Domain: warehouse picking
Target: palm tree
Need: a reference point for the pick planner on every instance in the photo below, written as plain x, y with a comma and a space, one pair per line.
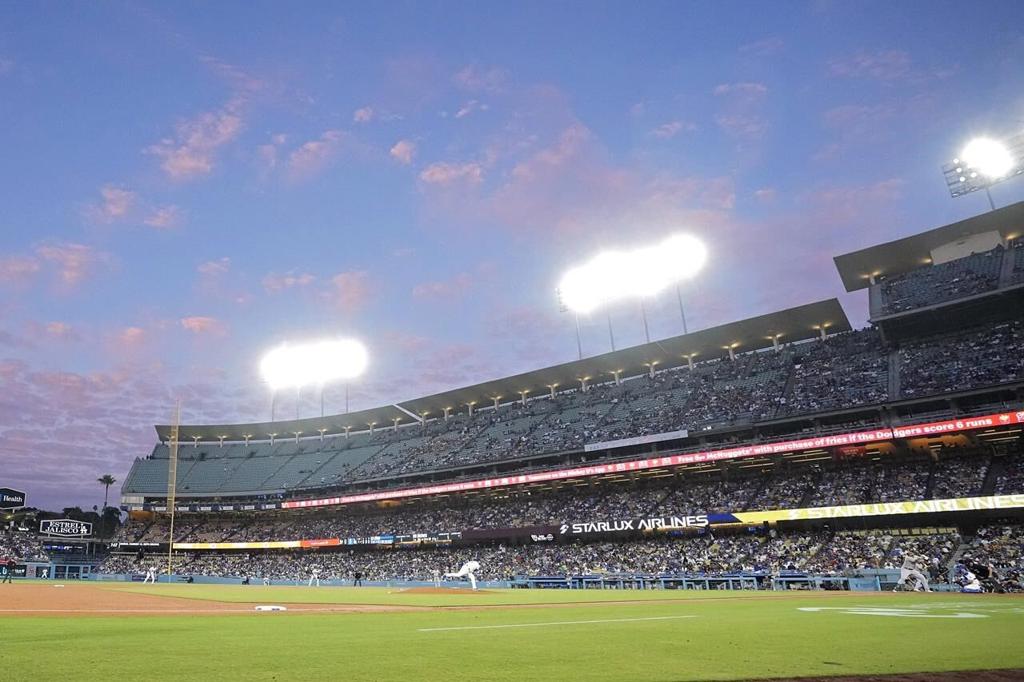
107, 480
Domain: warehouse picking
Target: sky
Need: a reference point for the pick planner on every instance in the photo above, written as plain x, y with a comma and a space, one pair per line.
185, 185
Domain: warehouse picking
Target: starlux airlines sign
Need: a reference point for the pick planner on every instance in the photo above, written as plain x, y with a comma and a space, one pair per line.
626, 525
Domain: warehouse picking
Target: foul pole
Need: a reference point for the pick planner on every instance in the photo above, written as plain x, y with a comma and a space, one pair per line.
172, 480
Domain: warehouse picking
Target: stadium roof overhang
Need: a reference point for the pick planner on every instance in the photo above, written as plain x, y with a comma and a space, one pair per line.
902, 255
755, 333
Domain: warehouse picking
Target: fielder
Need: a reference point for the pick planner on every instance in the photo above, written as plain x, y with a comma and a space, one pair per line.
909, 571
314, 576
468, 570
437, 578
150, 575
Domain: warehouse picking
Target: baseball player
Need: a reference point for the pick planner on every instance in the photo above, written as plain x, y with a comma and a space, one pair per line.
315, 575
437, 578
8, 565
908, 571
468, 570
150, 575
968, 581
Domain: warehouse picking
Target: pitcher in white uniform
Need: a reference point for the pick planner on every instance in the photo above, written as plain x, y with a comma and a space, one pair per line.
468, 570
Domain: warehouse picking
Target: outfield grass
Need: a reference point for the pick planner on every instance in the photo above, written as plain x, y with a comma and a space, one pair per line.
699, 636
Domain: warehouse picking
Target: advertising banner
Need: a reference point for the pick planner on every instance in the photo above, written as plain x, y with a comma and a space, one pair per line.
65, 528
533, 533
956, 504
11, 498
603, 527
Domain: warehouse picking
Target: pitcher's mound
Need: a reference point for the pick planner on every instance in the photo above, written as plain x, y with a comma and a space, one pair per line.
441, 590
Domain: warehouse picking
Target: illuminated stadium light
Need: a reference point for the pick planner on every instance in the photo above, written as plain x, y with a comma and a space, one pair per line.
619, 275
614, 276
990, 158
317, 363
984, 162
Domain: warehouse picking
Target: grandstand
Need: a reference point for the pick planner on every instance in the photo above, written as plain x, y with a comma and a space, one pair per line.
749, 427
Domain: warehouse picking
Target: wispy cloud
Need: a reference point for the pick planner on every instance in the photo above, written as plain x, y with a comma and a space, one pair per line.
116, 203
192, 151
348, 291
314, 156
477, 79
72, 263
164, 218
766, 47
363, 115
201, 325
669, 130
18, 269
274, 282
403, 151
883, 65
444, 289
446, 174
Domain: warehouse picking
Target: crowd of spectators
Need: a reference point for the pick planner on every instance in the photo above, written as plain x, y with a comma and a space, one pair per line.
972, 359
933, 284
705, 554
917, 476
20, 545
844, 370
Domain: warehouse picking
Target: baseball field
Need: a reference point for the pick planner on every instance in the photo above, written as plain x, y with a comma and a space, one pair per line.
204, 632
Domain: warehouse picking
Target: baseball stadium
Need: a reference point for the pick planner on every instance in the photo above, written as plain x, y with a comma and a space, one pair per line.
660, 360
707, 499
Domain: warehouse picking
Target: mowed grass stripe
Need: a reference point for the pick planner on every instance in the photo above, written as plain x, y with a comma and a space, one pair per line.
548, 624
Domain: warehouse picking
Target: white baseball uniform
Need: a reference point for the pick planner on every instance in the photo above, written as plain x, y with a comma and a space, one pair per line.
468, 570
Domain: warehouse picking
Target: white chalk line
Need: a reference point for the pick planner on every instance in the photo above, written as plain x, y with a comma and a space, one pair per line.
561, 622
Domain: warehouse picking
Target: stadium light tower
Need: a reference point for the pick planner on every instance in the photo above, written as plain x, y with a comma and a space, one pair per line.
312, 364
614, 276
984, 162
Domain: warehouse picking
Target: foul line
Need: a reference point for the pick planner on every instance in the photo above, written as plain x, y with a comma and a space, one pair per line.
561, 622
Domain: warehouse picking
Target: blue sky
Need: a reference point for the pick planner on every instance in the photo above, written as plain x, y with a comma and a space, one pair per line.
188, 184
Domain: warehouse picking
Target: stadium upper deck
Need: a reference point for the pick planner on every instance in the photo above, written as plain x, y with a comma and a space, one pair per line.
789, 373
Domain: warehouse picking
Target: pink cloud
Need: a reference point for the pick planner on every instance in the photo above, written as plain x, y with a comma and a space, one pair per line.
446, 289
214, 268
470, 107
883, 65
200, 325
363, 115
60, 330
669, 130
131, 337
765, 47
274, 282
73, 263
476, 79
315, 155
349, 291
117, 202
403, 151
442, 173
164, 218
18, 269
192, 151
745, 89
